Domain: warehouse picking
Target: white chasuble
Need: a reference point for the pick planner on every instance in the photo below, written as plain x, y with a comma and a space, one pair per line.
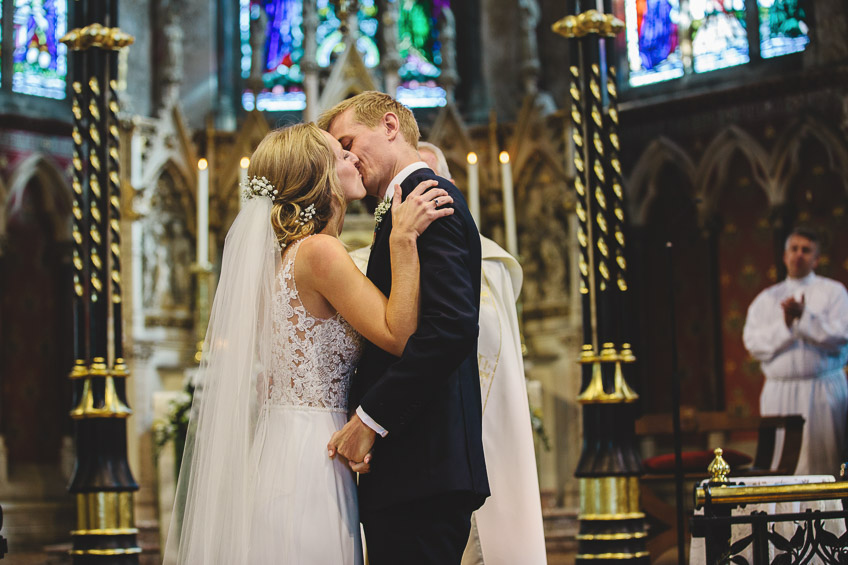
509, 524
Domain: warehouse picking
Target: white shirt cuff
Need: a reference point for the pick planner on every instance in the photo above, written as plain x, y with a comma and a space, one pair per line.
369, 421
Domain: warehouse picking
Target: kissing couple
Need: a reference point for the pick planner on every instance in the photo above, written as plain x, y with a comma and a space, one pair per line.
313, 372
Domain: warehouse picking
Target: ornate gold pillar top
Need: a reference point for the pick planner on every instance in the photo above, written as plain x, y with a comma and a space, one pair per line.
96, 35
590, 21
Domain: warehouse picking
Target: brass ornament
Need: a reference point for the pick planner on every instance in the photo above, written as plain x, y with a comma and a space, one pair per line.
741, 494
599, 171
578, 186
581, 214
96, 35
609, 498
588, 22
719, 468
612, 537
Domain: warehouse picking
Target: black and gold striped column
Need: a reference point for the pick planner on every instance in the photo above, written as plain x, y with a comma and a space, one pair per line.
102, 482
612, 525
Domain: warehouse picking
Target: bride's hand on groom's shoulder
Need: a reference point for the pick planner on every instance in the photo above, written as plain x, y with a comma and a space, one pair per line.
424, 205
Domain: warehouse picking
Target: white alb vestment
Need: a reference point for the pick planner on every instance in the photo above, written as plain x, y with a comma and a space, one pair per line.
804, 364
508, 526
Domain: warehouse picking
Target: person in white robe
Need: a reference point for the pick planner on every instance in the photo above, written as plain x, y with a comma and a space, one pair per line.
508, 528
798, 330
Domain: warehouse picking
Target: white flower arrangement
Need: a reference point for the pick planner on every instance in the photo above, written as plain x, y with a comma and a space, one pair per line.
307, 214
258, 186
381, 210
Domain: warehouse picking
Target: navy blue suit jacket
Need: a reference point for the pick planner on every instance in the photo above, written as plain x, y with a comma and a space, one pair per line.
429, 398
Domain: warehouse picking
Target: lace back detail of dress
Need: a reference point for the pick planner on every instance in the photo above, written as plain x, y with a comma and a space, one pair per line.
313, 357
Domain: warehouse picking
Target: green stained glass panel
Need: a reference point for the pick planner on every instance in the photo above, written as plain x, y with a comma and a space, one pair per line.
421, 52
783, 27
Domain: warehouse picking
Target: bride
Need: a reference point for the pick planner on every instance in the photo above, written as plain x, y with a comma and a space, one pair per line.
256, 485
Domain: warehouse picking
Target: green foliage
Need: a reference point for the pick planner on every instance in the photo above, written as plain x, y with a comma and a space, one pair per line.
176, 425
539, 427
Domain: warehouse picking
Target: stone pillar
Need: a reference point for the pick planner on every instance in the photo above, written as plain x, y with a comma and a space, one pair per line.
309, 62
449, 77
390, 56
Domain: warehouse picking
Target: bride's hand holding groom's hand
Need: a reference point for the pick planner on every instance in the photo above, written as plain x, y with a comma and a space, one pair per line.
353, 442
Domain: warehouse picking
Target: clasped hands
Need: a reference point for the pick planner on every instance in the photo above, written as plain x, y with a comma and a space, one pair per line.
792, 309
353, 443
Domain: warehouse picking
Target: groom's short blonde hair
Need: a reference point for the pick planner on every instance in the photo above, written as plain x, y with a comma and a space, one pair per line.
369, 107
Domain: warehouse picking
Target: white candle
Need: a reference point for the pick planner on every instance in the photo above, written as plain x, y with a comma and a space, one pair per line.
509, 205
474, 188
202, 212
135, 160
243, 165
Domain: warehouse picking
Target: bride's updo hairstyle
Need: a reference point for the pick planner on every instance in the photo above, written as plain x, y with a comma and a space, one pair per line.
301, 167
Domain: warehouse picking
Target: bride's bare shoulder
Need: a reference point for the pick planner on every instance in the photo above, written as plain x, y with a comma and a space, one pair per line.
323, 254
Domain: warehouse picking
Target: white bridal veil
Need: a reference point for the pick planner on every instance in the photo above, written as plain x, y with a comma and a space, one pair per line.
212, 512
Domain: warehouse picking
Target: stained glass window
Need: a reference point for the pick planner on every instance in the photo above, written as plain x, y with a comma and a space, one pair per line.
282, 51
719, 37
653, 49
420, 52
39, 60
713, 33
419, 44
782, 27
329, 35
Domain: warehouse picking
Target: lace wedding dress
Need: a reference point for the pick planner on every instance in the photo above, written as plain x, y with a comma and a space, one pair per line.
305, 507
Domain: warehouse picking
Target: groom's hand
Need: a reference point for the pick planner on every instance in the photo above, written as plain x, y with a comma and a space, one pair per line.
353, 441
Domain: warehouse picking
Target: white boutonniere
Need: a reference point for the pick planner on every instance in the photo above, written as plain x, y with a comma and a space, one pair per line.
381, 210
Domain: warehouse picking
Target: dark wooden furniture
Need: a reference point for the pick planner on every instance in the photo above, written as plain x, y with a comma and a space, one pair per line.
657, 489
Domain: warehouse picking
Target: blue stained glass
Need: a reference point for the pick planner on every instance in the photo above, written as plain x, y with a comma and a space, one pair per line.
653, 49
719, 37
420, 52
39, 60
282, 74
282, 51
783, 28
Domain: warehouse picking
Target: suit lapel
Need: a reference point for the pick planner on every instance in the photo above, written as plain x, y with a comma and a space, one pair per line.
380, 248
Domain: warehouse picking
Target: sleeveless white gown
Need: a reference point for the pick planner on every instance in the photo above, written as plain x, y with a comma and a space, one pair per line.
305, 505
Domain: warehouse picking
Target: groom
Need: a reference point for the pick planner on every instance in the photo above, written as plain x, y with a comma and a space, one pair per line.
418, 416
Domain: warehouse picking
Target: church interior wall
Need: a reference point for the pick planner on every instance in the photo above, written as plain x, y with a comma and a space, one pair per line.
723, 169
726, 178
36, 452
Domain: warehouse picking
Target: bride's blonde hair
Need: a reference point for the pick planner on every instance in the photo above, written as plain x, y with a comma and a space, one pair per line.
301, 166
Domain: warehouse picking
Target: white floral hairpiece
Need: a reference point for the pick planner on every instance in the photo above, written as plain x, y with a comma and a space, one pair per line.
258, 186
306, 214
